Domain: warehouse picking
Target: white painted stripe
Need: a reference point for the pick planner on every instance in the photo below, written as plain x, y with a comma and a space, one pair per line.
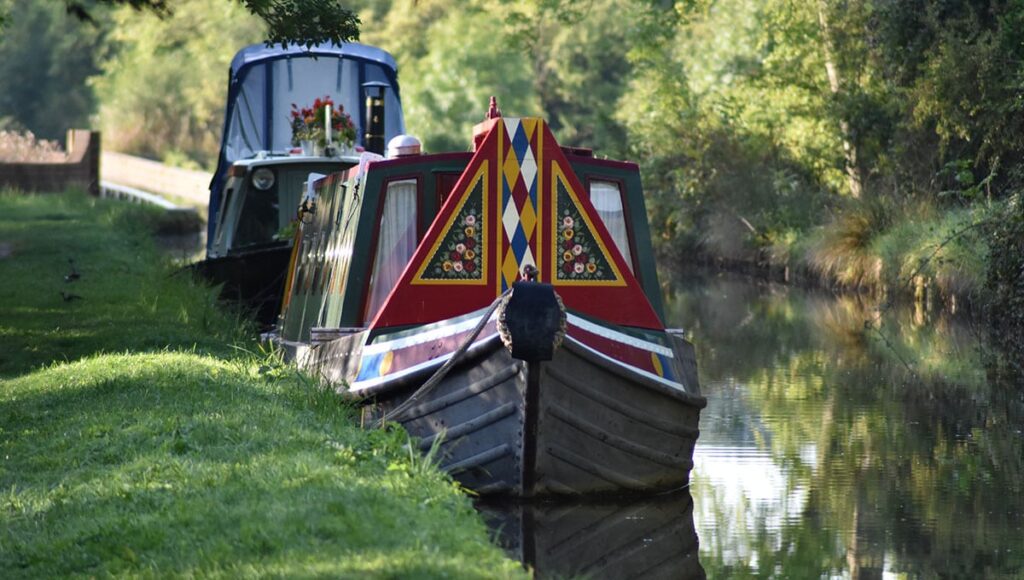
361, 385
421, 337
652, 376
108, 189
610, 334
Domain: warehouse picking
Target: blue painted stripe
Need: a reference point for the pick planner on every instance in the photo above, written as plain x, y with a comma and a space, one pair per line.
370, 367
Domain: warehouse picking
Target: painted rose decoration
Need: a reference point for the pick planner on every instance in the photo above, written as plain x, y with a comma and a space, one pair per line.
458, 257
578, 256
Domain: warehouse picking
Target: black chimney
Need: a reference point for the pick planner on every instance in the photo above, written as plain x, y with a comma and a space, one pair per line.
373, 136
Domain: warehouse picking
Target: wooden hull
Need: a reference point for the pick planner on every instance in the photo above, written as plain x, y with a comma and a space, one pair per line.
575, 425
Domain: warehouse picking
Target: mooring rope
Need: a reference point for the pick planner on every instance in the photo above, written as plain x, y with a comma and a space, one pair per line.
440, 373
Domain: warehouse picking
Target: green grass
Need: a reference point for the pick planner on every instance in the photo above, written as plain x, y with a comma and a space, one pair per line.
140, 435
948, 248
131, 297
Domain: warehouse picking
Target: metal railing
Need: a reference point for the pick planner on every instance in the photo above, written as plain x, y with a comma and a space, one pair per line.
125, 193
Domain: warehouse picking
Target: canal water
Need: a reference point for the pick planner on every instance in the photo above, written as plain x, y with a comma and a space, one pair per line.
840, 440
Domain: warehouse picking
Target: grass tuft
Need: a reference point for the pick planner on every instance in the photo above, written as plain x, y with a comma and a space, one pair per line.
841, 251
903, 250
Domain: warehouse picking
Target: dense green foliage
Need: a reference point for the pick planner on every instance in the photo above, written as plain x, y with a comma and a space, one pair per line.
45, 61
163, 86
142, 433
305, 22
757, 124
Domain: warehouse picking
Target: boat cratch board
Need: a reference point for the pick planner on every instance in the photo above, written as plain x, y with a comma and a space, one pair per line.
518, 203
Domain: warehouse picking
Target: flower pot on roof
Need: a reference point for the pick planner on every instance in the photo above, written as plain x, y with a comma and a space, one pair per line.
311, 124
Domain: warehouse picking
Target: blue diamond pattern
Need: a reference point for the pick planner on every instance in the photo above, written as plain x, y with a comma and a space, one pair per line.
519, 243
520, 144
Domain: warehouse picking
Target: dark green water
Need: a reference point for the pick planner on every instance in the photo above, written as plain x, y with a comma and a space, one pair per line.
838, 442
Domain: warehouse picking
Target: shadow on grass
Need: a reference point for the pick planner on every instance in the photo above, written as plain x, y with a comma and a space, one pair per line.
125, 295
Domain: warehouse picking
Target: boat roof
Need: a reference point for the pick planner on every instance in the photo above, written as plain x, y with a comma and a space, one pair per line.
259, 53
277, 160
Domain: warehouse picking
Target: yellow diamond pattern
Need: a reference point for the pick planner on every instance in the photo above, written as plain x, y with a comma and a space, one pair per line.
511, 167
529, 126
528, 217
510, 268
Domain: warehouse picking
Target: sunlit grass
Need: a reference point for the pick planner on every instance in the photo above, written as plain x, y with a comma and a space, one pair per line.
142, 433
180, 463
843, 252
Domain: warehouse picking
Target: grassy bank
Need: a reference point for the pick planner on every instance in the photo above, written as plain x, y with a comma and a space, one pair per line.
142, 434
908, 252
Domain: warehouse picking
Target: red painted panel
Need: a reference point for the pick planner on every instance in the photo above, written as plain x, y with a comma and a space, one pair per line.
435, 287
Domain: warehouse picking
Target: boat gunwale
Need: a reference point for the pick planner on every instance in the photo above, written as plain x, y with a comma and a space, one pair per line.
490, 343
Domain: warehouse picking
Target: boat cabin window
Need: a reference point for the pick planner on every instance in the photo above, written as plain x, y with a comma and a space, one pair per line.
607, 199
396, 241
445, 184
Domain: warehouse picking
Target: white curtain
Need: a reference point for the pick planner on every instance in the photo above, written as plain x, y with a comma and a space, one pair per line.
607, 200
396, 242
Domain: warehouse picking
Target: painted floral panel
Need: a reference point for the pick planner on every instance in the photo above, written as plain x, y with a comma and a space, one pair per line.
460, 254
578, 257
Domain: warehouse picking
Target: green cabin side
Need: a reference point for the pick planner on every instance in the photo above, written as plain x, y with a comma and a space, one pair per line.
335, 257
625, 177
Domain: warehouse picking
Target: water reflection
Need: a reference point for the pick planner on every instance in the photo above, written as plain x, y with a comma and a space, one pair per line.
846, 442
650, 538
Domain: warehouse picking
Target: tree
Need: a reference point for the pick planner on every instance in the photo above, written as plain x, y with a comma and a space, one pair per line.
44, 63
451, 61
161, 92
305, 22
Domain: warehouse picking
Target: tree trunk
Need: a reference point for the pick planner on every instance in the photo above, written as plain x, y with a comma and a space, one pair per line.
853, 173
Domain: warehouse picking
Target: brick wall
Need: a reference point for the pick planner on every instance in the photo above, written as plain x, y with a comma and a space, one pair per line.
81, 169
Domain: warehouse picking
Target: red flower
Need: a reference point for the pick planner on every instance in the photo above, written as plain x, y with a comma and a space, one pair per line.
469, 266
582, 258
567, 267
568, 244
456, 256
470, 243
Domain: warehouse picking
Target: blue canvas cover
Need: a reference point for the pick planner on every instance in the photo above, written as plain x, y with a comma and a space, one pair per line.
265, 81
